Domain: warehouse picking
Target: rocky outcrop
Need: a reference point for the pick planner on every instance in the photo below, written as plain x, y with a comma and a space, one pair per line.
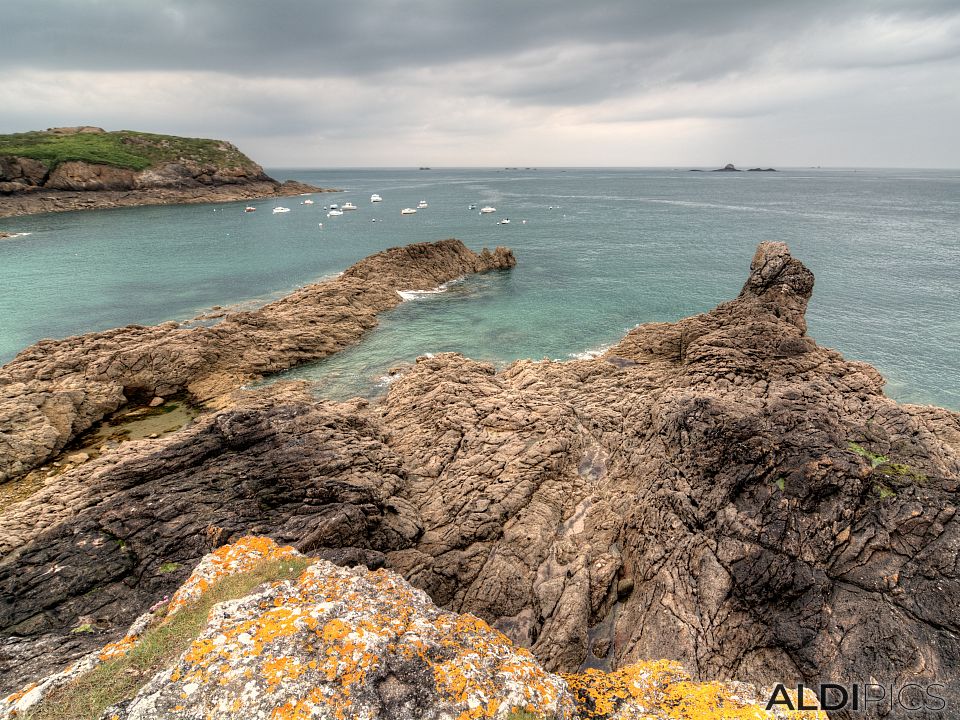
720, 492
123, 169
55, 390
342, 643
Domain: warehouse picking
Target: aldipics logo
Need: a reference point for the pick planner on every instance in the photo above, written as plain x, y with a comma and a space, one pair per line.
862, 697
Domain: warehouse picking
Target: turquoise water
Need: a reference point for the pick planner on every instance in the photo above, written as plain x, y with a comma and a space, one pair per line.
601, 251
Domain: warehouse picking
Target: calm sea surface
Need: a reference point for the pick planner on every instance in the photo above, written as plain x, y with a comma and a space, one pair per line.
600, 251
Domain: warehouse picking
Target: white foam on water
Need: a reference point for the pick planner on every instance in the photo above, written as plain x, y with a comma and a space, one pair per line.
424, 294
591, 354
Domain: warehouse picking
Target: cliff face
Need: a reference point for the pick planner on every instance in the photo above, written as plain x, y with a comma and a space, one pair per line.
720, 491
79, 168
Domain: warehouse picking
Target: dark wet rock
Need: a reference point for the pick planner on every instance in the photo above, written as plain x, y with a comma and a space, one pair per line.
100, 543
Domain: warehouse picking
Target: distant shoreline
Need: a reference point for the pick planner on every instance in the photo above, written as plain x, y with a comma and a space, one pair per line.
44, 201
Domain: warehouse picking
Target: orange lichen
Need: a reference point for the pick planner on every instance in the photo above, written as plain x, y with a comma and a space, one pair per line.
121, 647
14, 697
666, 686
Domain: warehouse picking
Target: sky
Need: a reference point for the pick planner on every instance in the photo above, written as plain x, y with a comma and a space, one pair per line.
490, 83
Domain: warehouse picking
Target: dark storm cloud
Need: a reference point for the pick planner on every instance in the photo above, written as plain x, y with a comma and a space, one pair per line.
554, 81
300, 38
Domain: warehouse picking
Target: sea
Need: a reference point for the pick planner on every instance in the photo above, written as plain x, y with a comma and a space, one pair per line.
598, 251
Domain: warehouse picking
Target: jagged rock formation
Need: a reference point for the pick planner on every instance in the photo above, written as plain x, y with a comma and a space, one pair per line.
719, 491
340, 643
55, 171
54, 390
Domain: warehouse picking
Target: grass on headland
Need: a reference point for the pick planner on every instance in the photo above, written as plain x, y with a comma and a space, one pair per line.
123, 149
161, 644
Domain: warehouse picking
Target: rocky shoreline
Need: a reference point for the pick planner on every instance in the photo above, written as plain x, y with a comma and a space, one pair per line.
43, 201
720, 492
56, 389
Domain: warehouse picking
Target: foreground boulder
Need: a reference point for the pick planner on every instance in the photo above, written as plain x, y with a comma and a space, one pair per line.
341, 643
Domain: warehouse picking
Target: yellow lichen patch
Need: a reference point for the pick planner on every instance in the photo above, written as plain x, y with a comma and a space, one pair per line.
665, 686
232, 559
119, 648
14, 697
276, 670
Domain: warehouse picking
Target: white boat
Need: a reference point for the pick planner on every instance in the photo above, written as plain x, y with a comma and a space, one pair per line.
376, 198
249, 208
422, 204
280, 210
308, 202
505, 221
334, 206
486, 210
408, 211
348, 206
335, 213
471, 206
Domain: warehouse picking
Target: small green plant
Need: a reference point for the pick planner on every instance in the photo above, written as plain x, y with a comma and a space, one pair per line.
116, 680
169, 567
84, 629
875, 460
780, 483
895, 472
884, 492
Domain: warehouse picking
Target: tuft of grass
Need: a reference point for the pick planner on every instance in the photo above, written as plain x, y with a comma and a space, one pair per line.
123, 149
169, 567
119, 679
884, 492
894, 472
875, 460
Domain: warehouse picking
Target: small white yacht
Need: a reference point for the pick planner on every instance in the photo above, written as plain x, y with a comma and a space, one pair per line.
408, 211
348, 206
335, 213
249, 208
422, 204
308, 202
376, 198
486, 210
505, 221
280, 210
334, 206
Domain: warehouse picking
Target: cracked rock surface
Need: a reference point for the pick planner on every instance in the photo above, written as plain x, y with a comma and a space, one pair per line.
720, 491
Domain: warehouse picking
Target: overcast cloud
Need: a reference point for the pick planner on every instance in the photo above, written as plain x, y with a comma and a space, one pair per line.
500, 82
